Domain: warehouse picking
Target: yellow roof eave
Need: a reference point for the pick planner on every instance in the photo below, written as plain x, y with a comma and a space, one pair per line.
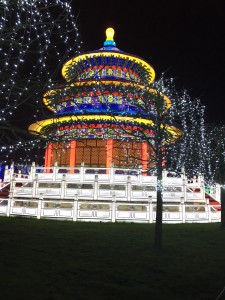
53, 92
36, 128
136, 59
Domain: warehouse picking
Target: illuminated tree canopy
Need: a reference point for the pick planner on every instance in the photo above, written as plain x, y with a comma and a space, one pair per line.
35, 38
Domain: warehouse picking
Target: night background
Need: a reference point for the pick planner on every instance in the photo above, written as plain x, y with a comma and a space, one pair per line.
183, 39
110, 257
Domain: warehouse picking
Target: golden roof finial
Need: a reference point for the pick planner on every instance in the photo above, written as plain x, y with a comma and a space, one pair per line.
109, 34
109, 42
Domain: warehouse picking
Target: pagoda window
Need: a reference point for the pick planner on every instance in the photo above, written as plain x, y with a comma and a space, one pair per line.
92, 152
61, 153
126, 153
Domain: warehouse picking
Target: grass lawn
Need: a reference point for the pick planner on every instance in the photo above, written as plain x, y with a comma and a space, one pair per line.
50, 259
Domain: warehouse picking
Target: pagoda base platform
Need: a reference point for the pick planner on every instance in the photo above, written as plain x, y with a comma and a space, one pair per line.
107, 195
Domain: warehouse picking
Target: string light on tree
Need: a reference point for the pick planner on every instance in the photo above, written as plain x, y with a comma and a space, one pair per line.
35, 36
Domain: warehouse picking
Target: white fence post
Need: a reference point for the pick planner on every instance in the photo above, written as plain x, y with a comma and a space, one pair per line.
96, 187
75, 206
35, 184
208, 210
140, 174
39, 206
150, 208
113, 205
11, 174
32, 171
202, 185
82, 171
184, 184
182, 203
12, 184
55, 170
9, 205
164, 176
128, 188
218, 192
111, 173
63, 186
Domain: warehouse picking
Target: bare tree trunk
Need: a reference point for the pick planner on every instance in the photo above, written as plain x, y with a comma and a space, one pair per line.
159, 205
158, 224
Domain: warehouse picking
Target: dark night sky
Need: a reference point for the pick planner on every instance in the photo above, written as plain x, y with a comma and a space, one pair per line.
184, 39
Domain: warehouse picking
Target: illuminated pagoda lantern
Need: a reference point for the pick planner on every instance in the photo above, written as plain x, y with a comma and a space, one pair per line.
94, 116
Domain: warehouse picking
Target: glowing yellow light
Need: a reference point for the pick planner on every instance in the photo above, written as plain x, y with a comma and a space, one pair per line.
51, 93
37, 127
82, 57
109, 34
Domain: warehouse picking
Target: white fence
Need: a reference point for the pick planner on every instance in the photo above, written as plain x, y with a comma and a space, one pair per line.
106, 194
109, 211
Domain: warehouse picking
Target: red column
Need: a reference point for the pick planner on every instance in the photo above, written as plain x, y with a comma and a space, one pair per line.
109, 152
73, 144
144, 156
48, 156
